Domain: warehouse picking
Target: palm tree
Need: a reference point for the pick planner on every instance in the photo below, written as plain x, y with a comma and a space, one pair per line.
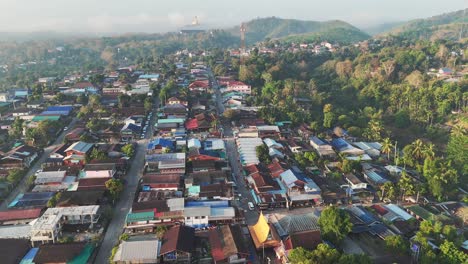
387, 147
429, 151
418, 149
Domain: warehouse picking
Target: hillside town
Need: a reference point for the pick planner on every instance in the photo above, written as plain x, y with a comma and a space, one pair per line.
275, 141
128, 166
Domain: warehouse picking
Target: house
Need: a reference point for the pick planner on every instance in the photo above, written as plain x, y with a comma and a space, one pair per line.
294, 147
238, 86
20, 157
139, 251
86, 87
268, 131
199, 86
92, 184
75, 134
197, 216
77, 152
322, 148
99, 171
175, 100
160, 145
296, 230
13, 250
50, 177
354, 182
19, 216
169, 123
135, 119
343, 146
149, 77
31, 200
129, 132
301, 190
175, 110
58, 110
80, 198
370, 148
157, 181
373, 175
445, 71
178, 245
20, 112
76, 252
228, 245
57, 155
148, 214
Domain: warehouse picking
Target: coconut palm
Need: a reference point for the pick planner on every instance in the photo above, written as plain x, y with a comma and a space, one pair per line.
418, 149
387, 147
429, 151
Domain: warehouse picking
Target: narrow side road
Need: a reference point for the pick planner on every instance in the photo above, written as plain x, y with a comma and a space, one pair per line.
22, 186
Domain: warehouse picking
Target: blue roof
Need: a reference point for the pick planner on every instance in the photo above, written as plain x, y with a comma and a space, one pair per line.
29, 257
318, 141
59, 108
373, 176
339, 143
166, 143
207, 203
134, 128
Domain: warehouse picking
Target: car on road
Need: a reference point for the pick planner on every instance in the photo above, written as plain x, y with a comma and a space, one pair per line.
251, 206
65, 128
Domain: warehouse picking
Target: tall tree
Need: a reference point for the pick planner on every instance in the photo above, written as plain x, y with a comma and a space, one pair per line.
334, 224
387, 147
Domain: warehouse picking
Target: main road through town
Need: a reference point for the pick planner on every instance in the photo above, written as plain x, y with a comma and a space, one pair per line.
115, 227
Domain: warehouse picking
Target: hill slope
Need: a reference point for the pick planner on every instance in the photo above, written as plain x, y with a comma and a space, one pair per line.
277, 28
445, 26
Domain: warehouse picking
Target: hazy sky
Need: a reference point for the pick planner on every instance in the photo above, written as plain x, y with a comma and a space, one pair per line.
167, 15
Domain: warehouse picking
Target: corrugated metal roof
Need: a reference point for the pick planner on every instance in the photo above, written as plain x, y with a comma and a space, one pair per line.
135, 251
140, 216
397, 210
197, 211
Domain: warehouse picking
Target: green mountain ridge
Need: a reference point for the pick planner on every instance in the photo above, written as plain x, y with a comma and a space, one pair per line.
299, 30
453, 26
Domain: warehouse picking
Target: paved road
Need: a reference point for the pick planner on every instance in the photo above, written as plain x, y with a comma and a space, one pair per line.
23, 186
115, 227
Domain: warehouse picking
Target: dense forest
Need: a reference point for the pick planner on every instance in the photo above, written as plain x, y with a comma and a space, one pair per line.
384, 92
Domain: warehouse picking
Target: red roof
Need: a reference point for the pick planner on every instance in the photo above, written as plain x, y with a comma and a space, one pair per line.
236, 83
216, 245
379, 209
191, 124
11, 215
251, 168
199, 84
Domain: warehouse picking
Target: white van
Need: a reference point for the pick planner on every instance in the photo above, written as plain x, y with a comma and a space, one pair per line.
251, 206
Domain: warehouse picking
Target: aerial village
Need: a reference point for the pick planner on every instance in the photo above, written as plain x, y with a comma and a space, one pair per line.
127, 166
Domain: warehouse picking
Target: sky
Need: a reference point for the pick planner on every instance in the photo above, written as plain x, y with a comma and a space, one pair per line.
151, 16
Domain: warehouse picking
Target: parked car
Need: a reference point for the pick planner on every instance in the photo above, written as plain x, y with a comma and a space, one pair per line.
251, 206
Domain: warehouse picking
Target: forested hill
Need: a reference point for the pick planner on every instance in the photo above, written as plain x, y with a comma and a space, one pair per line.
292, 29
446, 26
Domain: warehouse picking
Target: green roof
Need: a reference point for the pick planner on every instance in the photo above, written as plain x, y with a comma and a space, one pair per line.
421, 212
170, 120
83, 257
48, 117
141, 216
